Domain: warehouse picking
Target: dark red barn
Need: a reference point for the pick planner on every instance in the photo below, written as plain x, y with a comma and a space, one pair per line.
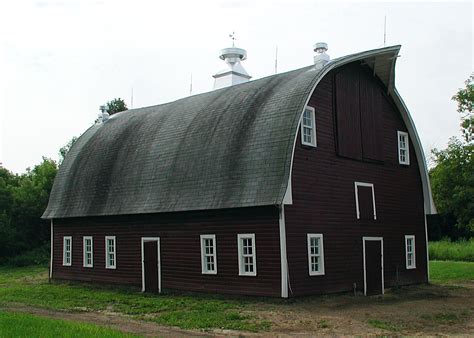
306, 182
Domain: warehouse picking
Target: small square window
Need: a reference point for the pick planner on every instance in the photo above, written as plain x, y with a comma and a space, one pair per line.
308, 127
208, 254
315, 254
403, 148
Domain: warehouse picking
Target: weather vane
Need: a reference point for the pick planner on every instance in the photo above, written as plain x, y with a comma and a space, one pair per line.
232, 36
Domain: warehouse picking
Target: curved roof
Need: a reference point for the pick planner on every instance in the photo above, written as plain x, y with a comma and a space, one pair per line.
223, 149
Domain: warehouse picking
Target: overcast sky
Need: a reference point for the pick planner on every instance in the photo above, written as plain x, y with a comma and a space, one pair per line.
61, 59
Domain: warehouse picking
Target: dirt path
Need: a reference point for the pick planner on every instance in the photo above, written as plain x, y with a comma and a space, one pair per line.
419, 310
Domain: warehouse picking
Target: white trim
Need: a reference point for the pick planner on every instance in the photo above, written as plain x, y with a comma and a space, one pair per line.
381, 257
67, 238
240, 238
321, 270
313, 142
283, 256
204, 269
362, 184
84, 260
427, 252
407, 147
151, 239
413, 248
107, 262
51, 255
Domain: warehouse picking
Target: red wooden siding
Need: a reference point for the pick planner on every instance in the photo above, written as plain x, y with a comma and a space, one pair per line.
180, 249
324, 200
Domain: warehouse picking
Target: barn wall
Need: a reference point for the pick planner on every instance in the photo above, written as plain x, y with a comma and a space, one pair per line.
180, 249
324, 202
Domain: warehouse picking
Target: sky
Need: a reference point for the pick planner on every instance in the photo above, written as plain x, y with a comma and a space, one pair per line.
61, 59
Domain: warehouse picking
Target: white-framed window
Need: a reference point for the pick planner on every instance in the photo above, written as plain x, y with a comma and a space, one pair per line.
315, 254
88, 254
110, 253
308, 127
410, 251
67, 250
247, 255
208, 254
358, 206
403, 148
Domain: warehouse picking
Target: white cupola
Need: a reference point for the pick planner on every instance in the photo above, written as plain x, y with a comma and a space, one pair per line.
234, 73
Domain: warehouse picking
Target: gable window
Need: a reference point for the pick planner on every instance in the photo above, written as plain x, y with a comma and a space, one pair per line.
208, 254
110, 255
403, 148
308, 127
247, 255
67, 250
410, 252
315, 254
87, 249
365, 201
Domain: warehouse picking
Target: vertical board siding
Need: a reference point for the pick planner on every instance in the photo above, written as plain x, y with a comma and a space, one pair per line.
324, 202
180, 249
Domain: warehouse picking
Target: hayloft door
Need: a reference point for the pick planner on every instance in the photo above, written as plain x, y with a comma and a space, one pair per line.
151, 269
373, 266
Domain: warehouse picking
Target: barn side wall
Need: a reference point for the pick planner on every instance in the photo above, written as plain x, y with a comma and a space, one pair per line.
324, 202
180, 249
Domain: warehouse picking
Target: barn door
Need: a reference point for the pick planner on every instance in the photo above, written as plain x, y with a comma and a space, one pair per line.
151, 269
373, 266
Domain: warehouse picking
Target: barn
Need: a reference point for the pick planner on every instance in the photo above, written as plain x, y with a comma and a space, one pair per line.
306, 182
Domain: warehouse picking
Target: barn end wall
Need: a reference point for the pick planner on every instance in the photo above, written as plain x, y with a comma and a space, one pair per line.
324, 202
180, 249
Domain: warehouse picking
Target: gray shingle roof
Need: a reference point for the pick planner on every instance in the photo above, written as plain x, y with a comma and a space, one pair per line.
223, 149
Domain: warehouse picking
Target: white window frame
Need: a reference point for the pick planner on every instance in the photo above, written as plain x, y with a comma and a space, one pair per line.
240, 238
204, 255
362, 184
67, 238
84, 260
313, 128
107, 253
413, 252
406, 148
321, 271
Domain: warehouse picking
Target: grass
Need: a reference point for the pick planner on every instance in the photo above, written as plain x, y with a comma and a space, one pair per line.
26, 325
384, 325
452, 251
448, 271
447, 317
29, 286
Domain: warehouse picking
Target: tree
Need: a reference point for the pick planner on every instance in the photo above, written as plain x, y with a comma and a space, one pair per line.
452, 182
465, 101
64, 150
113, 107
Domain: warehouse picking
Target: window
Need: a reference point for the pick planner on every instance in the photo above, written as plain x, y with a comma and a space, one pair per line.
403, 148
410, 251
365, 201
67, 250
308, 127
87, 242
110, 256
247, 255
315, 254
208, 254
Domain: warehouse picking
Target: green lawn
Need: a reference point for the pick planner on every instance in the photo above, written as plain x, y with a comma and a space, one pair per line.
449, 271
452, 251
29, 285
26, 325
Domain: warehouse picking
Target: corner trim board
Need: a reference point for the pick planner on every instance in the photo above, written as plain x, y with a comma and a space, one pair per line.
283, 254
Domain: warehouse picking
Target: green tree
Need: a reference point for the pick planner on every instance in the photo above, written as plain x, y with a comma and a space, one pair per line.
465, 101
64, 150
452, 182
113, 107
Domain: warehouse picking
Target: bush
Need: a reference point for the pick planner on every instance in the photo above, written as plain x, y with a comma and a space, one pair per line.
454, 251
37, 256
